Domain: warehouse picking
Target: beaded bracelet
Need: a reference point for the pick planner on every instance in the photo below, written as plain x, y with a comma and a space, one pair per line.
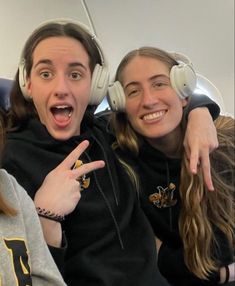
49, 215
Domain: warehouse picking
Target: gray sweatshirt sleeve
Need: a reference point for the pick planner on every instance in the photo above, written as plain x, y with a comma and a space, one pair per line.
21, 232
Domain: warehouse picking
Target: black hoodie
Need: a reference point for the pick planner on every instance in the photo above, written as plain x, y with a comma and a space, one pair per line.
156, 173
110, 242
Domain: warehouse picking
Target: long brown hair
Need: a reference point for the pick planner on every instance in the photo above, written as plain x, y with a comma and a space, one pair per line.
5, 207
202, 211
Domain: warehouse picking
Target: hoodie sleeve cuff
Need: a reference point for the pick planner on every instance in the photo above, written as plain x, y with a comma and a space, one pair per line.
201, 100
58, 254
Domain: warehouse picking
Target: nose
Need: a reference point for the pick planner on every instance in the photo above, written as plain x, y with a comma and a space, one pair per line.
149, 98
61, 88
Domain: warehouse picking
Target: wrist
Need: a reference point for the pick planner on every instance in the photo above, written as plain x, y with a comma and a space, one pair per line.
224, 274
47, 214
198, 110
52, 232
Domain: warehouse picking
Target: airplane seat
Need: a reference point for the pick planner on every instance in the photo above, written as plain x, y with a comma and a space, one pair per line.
5, 88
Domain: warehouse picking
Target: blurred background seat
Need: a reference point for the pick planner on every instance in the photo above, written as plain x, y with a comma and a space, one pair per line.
5, 88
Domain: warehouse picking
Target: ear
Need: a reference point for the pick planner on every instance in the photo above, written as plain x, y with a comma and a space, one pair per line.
184, 102
28, 87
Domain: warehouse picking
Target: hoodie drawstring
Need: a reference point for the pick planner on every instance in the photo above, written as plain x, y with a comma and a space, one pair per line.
168, 182
103, 194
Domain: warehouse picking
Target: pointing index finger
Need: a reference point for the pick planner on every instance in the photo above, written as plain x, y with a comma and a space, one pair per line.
69, 161
87, 168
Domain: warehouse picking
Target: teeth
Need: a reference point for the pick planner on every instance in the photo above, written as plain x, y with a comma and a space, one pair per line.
62, 109
154, 115
62, 106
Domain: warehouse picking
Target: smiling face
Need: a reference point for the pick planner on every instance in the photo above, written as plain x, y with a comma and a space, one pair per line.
59, 85
153, 108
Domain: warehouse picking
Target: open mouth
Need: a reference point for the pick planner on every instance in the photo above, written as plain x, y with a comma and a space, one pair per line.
62, 113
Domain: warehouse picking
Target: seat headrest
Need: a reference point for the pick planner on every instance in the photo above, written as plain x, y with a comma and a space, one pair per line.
5, 89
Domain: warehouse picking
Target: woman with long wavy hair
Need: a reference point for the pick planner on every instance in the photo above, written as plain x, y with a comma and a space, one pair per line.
194, 227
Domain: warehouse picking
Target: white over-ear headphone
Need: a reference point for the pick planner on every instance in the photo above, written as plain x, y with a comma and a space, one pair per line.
100, 75
23, 78
182, 76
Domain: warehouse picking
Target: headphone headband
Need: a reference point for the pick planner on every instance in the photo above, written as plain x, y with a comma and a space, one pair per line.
180, 58
100, 75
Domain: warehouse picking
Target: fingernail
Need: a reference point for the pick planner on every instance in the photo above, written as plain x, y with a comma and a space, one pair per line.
211, 188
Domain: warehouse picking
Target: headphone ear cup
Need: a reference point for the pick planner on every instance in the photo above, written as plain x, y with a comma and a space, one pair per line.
116, 96
183, 79
99, 84
23, 80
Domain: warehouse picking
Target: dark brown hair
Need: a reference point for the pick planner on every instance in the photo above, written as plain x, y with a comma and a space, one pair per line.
5, 207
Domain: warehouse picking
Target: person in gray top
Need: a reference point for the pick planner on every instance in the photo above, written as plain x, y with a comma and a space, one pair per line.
24, 255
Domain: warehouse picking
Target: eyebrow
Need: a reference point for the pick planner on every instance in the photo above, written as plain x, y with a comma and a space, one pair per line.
49, 62
150, 79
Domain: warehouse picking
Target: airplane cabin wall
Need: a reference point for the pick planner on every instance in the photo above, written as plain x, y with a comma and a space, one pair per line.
202, 29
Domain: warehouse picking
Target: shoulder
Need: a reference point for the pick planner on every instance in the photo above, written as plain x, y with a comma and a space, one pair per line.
5, 179
7, 188
225, 126
102, 124
10, 189
29, 131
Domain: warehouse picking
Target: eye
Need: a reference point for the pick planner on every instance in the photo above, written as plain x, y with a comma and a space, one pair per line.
159, 84
132, 92
45, 74
75, 75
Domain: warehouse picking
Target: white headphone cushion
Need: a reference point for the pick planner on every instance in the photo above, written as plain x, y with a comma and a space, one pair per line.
183, 79
99, 84
116, 96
